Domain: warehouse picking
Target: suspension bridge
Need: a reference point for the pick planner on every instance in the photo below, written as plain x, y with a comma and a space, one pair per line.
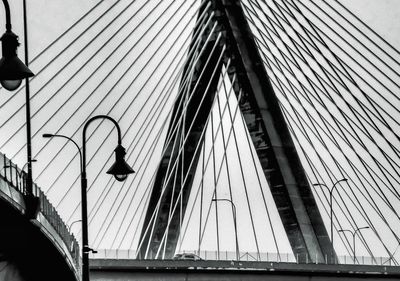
264, 136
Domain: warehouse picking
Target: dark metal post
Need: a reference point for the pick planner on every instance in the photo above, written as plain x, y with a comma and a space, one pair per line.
29, 181
354, 246
331, 197
234, 223
331, 210
8, 17
236, 230
85, 246
85, 240
353, 233
31, 201
120, 167
354, 240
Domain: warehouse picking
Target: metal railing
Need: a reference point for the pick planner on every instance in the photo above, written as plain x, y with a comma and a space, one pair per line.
249, 256
13, 175
10, 173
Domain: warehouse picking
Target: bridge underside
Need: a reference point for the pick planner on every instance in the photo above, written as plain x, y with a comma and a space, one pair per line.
25, 252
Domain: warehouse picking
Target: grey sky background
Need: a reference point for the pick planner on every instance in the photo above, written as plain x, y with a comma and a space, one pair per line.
49, 18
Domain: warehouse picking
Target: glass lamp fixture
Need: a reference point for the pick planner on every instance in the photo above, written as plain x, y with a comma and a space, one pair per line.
12, 69
120, 169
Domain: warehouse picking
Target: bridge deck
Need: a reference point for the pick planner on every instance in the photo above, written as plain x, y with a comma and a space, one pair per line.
109, 269
34, 245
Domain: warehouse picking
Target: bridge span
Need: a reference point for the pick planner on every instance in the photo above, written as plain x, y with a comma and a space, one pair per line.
160, 270
29, 248
307, 91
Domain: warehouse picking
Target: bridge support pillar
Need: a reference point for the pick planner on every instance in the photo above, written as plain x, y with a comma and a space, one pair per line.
175, 174
273, 143
270, 135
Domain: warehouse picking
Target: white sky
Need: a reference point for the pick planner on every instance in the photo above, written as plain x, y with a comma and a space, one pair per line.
49, 18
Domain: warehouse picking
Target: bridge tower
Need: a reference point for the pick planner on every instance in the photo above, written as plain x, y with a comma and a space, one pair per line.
265, 122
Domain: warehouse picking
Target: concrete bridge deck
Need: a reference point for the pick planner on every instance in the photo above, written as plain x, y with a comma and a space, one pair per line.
160, 270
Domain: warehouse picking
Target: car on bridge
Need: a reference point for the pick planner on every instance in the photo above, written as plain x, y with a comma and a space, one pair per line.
187, 256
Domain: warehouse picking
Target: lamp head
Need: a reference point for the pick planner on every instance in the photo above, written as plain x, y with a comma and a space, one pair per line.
120, 169
47, 136
12, 69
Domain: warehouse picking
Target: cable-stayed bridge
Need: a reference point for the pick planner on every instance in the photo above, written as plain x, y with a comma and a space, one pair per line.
258, 130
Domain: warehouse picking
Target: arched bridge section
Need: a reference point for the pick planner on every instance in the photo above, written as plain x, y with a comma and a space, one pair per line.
32, 249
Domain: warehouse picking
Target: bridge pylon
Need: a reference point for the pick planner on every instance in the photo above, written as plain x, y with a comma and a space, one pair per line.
229, 34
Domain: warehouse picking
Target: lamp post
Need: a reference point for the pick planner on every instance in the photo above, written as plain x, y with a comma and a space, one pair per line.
354, 238
12, 69
234, 223
120, 170
12, 72
72, 224
330, 202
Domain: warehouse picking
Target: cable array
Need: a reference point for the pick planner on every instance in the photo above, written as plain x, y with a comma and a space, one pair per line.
334, 77
337, 88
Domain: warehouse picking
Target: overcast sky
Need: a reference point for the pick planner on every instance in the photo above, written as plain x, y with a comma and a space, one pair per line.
49, 18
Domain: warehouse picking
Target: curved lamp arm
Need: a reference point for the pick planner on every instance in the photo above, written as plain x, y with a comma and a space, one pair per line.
68, 138
84, 136
8, 17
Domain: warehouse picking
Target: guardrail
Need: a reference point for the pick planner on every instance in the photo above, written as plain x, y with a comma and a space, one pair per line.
247, 256
13, 175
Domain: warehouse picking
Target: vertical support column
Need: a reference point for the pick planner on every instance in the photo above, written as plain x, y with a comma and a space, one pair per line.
272, 140
270, 135
161, 203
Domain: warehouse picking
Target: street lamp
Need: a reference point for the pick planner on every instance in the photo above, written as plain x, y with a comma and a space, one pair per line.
70, 226
330, 202
12, 71
120, 170
234, 222
354, 238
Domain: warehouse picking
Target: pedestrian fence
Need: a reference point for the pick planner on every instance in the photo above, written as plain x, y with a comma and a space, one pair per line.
250, 256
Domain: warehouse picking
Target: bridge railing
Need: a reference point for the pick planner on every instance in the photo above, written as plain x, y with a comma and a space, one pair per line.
10, 173
51, 214
16, 177
248, 256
